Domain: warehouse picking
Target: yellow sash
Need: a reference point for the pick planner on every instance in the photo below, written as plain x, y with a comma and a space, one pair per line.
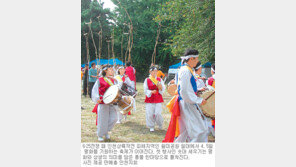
118, 78
190, 69
108, 81
153, 79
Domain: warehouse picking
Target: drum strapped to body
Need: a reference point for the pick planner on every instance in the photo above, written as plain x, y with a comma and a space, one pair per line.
113, 95
208, 108
126, 104
128, 90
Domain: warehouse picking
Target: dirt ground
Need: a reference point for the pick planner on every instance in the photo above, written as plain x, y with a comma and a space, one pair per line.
133, 129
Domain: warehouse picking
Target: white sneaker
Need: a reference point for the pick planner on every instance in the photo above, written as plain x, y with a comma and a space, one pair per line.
151, 129
100, 139
118, 122
108, 136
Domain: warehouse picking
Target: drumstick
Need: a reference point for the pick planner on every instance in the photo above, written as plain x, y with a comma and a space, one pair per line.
210, 95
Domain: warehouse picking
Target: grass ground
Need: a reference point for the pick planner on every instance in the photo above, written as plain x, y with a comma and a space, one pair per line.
132, 130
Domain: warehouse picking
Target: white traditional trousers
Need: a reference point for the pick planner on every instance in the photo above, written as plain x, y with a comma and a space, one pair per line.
107, 117
193, 128
119, 115
153, 115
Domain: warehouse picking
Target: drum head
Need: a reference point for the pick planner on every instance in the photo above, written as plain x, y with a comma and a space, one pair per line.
110, 94
209, 108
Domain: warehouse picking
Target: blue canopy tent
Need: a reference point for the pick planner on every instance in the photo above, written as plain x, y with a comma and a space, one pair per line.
173, 70
105, 61
175, 66
207, 65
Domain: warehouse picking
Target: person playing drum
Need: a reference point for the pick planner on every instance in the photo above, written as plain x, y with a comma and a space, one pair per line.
187, 117
106, 113
199, 80
120, 76
120, 79
202, 87
153, 88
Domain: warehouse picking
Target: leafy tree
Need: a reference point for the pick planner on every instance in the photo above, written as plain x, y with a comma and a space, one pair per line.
142, 14
90, 10
184, 24
193, 25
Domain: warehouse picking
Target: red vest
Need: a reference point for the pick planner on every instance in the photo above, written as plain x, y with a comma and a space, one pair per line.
130, 73
154, 98
103, 87
210, 81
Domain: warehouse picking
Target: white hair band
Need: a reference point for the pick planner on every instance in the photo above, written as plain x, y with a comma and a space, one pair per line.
188, 56
105, 68
153, 68
198, 67
119, 69
100, 73
183, 58
213, 70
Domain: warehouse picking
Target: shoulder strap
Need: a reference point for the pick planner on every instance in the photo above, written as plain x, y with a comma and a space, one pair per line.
108, 81
190, 71
153, 80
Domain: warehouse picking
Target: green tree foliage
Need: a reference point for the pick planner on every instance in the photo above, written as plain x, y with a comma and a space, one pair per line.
91, 10
184, 24
193, 25
142, 14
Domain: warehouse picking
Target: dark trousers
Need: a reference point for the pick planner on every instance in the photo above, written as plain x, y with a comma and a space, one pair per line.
84, 88
90, 86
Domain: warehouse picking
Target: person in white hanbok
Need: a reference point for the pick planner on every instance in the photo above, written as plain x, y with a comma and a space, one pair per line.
106, 113
154, 88
192, 123
120, 79
201, 86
